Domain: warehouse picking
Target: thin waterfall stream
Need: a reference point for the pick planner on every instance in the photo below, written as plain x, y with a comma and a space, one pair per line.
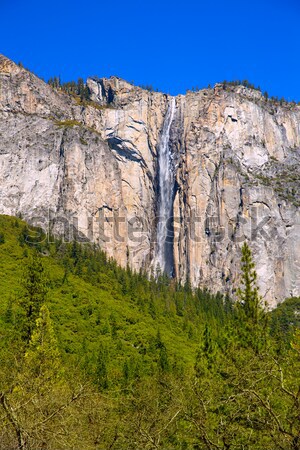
164, 254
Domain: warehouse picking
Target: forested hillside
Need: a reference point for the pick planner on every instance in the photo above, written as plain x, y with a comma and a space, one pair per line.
97, 357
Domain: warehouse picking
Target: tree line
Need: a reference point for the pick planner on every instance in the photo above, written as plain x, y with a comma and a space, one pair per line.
78, 88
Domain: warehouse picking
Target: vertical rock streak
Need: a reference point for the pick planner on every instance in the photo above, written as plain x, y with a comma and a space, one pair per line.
164, 254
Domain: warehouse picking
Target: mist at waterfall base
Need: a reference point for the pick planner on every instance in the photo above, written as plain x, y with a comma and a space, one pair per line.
164, 255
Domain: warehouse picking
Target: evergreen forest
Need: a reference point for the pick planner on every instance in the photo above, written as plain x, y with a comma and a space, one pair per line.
98, 357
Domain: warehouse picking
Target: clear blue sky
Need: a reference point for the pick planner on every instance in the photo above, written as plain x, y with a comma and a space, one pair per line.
172, 45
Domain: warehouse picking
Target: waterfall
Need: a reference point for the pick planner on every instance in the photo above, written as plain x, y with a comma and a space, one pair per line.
164, 253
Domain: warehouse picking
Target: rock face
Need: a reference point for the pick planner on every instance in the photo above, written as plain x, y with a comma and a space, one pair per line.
93, 170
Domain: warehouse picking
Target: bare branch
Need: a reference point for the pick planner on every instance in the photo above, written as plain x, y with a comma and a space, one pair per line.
14, 421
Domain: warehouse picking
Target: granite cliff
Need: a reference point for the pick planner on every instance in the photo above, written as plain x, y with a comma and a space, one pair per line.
95, 169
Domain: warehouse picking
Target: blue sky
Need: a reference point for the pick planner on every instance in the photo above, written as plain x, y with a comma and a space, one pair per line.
172, 45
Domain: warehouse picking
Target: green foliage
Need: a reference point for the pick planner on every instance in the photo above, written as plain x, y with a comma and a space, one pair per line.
206, 355
68, 123
34, 291
101, 368
131, 362
54, 82
244, 83
284, 320
250, 312
148, 87
78, 88
42, 359
249, 299
95, 303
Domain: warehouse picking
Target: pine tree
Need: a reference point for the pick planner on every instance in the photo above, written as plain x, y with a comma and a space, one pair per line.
207, 353
295, 344
163, 361
251, 315
37, 404
101, 368
248, 292
34, 284
42, 359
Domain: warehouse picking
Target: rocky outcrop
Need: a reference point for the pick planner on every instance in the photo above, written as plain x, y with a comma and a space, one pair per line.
240, 180
92, 169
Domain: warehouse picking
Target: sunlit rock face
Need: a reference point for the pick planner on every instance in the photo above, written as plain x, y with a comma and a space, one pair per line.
95, 171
